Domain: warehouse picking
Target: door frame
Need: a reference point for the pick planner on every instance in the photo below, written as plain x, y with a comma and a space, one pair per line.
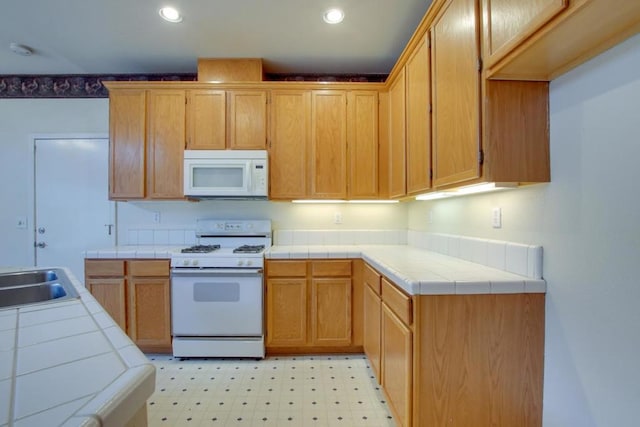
31, 196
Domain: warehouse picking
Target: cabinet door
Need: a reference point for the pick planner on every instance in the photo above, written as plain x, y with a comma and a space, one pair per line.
247, 122
126, 144
286, 312
507, 23
166, 141
150, 312
290, 134
206, 119
397, 359
362, 141
456, 93
397, 166
372, 319
418, 77
110, 293
328, 154
331, 311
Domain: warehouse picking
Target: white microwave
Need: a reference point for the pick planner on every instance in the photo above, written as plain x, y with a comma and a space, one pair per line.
233, 174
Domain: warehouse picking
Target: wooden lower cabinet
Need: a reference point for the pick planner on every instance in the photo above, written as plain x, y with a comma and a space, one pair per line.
111, 294
286, 312
331, 311
136, 294
397, 359
456, 360
372, 335
310, 307
479, 360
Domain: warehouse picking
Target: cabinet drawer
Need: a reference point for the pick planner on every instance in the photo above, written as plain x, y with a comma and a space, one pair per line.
159, 268
286, 268
103, 268
372, 278
331, 268
397, 301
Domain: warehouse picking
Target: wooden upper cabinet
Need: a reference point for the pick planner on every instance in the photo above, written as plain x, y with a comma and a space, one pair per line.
289, 142
247, 123
206, 119
362, 141
418, 80
543, 39
397, 137
127, 112
166, 112
507, 23
328, 155
456, 93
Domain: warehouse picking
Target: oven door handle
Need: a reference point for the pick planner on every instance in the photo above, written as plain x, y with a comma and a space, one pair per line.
216, 272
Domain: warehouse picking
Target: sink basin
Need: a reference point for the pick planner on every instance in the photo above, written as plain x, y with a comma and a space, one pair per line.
35, 286
27, 278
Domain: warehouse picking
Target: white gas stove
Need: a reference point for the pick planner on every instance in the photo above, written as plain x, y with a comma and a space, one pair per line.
217, 290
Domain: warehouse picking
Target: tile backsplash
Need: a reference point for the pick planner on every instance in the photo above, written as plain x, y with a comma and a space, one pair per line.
147, 236
517, 258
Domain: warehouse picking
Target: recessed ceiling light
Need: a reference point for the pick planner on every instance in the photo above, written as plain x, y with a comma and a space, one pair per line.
21, 49
170, 14
333, 16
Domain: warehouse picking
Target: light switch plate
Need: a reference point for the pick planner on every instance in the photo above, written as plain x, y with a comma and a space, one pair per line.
21, 222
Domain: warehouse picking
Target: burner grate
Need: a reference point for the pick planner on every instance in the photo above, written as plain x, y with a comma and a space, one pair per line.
248, 249
200, 249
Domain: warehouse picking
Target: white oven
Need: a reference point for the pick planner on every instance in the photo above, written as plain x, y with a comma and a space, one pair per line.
217, 312
239, 174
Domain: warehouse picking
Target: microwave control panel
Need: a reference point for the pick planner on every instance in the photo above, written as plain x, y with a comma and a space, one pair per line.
260, 177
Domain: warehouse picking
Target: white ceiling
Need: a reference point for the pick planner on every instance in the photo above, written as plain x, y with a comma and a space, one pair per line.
128, 36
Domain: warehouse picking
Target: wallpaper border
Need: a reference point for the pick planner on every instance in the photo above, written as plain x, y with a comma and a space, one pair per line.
90, 85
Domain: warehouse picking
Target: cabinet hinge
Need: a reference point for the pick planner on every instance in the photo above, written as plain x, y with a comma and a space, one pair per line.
481, 157
479, 64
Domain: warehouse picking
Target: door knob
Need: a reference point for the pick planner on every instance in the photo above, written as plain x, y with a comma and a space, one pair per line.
40, 245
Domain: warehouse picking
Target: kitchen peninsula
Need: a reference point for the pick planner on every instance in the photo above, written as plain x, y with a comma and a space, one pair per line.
67, 363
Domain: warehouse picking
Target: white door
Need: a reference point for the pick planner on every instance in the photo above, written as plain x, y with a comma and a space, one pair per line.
72, 208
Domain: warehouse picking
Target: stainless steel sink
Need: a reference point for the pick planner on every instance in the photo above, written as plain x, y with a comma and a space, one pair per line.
35, 286
27, 278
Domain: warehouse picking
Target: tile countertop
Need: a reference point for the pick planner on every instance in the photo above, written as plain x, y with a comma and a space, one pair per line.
419, 271
68, 364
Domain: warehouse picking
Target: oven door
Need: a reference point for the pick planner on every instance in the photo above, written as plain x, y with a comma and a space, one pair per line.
210, 302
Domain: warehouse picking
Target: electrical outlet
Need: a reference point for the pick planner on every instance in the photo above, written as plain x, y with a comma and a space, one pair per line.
496, 217
337, 218
156, 217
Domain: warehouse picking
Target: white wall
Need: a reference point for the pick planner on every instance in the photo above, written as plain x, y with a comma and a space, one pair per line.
587, 220
19, 120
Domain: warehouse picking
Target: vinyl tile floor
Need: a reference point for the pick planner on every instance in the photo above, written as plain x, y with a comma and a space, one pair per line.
331, 390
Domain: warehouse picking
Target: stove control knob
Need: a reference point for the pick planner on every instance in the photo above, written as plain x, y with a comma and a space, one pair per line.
240, 263
195, 262
249, 263
185, 262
